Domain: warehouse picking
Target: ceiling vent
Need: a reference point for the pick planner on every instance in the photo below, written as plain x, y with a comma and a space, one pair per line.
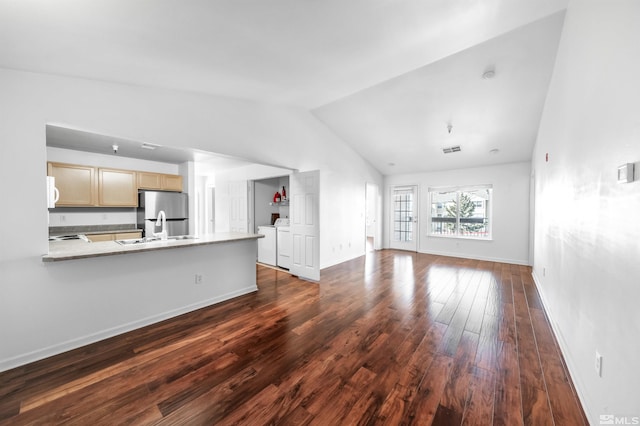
451, 149
150, 146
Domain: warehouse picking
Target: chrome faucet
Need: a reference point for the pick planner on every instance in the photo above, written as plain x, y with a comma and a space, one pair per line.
161, 221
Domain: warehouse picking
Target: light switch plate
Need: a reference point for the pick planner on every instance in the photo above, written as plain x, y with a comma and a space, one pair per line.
625, 173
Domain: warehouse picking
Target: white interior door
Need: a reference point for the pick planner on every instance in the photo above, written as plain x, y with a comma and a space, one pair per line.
404, 218
305, 224
238, 208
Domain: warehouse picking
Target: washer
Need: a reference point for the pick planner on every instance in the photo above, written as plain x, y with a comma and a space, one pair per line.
283, 246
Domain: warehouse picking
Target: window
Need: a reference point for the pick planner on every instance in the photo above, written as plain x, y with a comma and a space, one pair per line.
460, 212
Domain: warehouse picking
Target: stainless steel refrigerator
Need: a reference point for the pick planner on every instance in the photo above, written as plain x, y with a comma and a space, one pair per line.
175, 206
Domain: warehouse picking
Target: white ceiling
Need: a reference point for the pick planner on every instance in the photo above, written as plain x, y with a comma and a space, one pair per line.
402, 125
344, 60
79, 140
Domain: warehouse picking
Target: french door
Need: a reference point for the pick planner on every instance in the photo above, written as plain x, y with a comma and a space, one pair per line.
404, 218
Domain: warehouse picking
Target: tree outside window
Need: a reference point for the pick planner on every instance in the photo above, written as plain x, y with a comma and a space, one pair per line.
461, 212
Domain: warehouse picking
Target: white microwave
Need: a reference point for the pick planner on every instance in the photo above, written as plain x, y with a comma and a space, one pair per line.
53, 195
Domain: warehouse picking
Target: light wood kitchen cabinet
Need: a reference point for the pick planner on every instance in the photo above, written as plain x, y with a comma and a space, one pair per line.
172, 183
88, 186
117, 188
128, 235
115, 236
159, 181
100, 237
78, 185
148, 180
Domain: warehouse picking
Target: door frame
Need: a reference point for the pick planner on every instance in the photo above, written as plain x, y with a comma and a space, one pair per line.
374, 189
415, 246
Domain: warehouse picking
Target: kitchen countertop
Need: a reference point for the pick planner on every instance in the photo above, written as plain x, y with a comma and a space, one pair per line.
79, 249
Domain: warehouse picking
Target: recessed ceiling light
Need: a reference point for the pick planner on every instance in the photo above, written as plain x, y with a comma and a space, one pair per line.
151, 146
494, 151
391, 164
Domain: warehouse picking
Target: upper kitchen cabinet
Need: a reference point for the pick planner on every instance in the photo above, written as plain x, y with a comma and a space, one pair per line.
159, 181
172, 183
87, 186
78, 185
117, 188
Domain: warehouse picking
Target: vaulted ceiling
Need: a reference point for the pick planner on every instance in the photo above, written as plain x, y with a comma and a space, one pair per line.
388, 77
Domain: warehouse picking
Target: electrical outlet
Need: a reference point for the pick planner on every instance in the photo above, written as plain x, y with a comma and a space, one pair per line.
544, 272
198, 279
598, 364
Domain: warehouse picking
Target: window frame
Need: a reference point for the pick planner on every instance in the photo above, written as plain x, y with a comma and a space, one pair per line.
458, 190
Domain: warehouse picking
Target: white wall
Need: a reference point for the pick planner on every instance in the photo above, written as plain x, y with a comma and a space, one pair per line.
587, 227
371, 210
342, 218
510, 214
37, 309
263, 192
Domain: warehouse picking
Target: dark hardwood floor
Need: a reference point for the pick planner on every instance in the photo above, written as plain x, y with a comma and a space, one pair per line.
390, 338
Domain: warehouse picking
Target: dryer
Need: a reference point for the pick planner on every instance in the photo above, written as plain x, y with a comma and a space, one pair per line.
283, 246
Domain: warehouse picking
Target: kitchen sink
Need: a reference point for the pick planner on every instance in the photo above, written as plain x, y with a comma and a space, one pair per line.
154, 239
138, 241
68, 237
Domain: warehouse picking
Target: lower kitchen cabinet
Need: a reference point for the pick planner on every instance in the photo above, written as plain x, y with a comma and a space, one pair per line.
128, 235
115, 236
100, 237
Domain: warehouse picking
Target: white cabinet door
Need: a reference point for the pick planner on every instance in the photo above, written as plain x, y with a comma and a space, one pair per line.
267, 245
305, 224
284, 247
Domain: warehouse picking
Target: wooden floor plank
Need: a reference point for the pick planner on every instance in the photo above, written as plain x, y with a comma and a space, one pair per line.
389, 338
479, 408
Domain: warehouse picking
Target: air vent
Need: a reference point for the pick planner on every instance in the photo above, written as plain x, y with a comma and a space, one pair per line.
451, 149
150, 146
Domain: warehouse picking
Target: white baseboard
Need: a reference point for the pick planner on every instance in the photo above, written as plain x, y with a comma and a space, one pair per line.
485, 258
564, 348
39, 354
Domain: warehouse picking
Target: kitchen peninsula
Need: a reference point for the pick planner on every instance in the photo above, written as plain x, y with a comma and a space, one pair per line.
80, 248
102, 289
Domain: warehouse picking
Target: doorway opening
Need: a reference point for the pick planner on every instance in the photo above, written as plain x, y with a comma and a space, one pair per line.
373, 221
